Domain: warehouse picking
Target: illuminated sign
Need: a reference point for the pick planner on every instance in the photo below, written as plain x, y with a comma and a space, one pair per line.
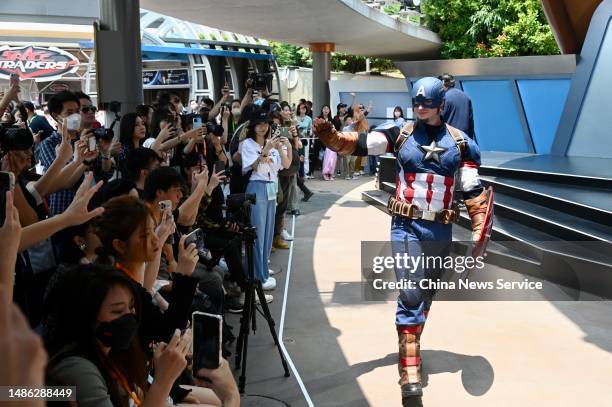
169, 77
37, 63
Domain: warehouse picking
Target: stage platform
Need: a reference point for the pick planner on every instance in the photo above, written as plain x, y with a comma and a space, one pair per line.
596, 171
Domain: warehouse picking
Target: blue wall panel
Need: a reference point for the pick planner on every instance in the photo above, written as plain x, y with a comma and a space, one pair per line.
381, 102
592, 136
496, 116
543, 101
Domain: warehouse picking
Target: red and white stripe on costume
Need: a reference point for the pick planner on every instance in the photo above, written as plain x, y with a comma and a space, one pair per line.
468, 176
427, 191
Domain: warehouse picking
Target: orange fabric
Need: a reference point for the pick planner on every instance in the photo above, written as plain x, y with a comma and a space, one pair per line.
121, 267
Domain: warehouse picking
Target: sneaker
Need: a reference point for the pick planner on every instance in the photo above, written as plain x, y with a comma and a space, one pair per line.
279, 243
271, 272
286, 236
234, 305
232, 289
268, 297
269, 284
348, 178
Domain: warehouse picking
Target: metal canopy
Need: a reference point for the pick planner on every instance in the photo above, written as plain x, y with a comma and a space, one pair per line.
349, 24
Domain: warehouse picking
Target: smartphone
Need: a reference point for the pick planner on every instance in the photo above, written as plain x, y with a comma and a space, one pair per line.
164, 205
73, 122
197, 122
219, 166
91, 143
7, 183
192, 237
207, 330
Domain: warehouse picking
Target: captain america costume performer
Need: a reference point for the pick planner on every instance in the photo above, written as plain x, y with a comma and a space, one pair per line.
432, 160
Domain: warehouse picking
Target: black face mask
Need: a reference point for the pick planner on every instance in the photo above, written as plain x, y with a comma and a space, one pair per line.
118, 333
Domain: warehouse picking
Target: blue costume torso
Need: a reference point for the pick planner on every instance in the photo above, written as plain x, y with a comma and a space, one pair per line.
410, 158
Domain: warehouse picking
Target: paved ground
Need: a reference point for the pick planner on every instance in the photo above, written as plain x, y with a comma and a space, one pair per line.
475, 354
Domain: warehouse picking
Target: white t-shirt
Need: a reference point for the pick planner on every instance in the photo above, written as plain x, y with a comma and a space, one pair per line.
265, 171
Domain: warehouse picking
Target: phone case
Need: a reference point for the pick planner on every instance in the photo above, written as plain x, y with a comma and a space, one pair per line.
220, 334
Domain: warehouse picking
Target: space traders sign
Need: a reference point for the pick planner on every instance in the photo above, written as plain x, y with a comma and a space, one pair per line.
37, 63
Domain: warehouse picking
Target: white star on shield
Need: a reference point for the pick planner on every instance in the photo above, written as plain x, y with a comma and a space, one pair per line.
432, 152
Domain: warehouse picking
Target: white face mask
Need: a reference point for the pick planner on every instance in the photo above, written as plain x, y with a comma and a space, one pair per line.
73, 122
236, 112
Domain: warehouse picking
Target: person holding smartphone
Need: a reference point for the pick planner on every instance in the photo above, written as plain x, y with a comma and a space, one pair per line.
263, 156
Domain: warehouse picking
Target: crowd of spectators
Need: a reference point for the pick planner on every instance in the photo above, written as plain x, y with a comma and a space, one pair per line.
96, 281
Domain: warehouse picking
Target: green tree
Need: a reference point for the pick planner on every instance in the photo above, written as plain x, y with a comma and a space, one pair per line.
489, 28
293, 55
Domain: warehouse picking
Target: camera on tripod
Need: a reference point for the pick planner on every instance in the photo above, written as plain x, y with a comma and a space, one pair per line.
238, 211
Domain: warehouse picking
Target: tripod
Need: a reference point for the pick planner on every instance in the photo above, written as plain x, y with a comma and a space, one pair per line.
248, 318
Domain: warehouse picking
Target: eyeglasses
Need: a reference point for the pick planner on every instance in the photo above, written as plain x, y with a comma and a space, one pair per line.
87, 109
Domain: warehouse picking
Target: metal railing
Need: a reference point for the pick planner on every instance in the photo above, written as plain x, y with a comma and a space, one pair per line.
397, 9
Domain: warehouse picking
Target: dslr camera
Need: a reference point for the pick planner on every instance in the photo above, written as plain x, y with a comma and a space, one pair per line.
261, 81
107, 134
214, 128
237, 205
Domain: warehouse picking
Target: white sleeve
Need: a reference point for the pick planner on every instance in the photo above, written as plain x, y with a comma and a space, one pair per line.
31, 187
377, 143
249, 152
468, 176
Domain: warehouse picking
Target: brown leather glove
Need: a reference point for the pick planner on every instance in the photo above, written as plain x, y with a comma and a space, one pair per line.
477, 209
343, 143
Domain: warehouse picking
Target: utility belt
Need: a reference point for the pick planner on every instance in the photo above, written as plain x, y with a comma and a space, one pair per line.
407, 210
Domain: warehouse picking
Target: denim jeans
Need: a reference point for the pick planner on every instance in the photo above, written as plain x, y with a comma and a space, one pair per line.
262, 217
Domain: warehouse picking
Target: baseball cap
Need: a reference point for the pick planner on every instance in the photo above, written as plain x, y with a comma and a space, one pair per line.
258, 116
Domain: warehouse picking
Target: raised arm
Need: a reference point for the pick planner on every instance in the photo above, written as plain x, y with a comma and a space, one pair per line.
215, 110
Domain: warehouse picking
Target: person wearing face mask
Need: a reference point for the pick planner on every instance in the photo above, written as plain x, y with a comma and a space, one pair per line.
234, 118
65, 109
101, 354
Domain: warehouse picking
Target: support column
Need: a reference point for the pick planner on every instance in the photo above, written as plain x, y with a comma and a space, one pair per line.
321, 74
118, 54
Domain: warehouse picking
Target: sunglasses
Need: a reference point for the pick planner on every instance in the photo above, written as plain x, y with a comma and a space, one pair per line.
87, 109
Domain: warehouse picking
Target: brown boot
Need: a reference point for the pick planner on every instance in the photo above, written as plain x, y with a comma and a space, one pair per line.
409, 360
279, 243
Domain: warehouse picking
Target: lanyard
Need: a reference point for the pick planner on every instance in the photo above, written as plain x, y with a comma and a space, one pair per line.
124, 383
121, 267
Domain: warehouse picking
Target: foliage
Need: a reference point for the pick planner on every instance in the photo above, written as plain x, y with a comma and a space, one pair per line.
489, 28
293, 55
392, 9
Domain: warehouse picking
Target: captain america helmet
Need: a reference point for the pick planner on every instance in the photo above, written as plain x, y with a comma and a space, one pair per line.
428, 92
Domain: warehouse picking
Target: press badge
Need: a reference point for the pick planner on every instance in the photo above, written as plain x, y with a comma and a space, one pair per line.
272, 190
